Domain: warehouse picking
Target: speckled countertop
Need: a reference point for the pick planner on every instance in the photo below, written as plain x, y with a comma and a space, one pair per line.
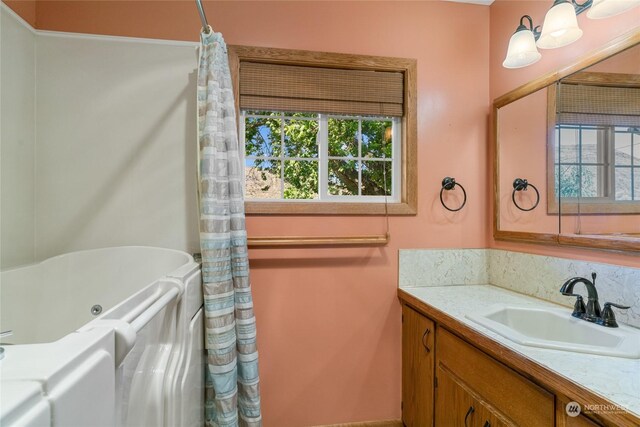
614, 378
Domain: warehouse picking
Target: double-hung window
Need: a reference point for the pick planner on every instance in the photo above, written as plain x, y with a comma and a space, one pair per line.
326, 133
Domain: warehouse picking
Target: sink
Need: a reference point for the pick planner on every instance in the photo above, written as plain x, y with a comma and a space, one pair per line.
556, 329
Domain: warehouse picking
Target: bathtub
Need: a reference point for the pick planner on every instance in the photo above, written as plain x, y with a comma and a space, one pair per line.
103, 337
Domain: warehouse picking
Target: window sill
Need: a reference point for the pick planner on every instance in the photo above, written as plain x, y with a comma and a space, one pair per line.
327, 208
597, 208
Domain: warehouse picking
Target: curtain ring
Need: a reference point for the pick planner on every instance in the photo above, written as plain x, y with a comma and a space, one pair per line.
520, 184
449, 184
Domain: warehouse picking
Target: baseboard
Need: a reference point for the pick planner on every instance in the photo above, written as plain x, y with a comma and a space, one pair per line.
386, 423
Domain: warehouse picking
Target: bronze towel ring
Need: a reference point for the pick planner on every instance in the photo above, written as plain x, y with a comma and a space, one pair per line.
520, 184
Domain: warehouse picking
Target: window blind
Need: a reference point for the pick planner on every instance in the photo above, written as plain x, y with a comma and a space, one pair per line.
598, 105
277, 87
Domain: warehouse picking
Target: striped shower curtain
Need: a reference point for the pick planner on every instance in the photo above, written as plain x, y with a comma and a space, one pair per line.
232, 384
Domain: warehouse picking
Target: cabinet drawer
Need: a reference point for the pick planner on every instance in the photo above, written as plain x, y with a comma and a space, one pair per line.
515, 399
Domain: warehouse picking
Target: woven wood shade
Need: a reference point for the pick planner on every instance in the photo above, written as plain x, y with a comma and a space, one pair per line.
598, 105
267, 87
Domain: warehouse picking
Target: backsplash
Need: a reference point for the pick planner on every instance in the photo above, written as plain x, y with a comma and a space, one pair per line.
440, 267
535, 275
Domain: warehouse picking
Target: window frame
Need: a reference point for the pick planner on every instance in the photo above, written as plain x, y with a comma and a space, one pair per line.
407, 198
323, 159
590, 205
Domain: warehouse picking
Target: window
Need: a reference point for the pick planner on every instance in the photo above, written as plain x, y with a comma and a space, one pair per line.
585, 167
596, 145
626, 170
326, 133
301, 156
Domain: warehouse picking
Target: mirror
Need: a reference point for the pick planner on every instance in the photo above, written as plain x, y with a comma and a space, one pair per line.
522, 156
568, 154
596, 143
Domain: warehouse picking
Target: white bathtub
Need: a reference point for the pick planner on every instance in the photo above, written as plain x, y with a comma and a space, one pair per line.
103, 337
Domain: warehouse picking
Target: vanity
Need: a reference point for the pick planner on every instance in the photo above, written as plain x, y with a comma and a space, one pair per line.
488, 336
457, 372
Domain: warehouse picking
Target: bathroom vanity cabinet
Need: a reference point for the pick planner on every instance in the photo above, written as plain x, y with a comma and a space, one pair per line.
455, 376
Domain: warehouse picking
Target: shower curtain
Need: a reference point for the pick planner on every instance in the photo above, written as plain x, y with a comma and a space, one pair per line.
232, 384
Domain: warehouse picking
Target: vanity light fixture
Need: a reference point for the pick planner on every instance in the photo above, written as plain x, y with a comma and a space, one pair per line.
560, 28
522, 49
606, 8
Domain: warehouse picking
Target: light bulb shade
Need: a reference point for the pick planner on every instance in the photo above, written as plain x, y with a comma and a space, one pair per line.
560, 27
522, 50
606, 8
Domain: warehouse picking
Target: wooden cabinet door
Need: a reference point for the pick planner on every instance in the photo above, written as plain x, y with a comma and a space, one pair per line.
418, 356
456, 406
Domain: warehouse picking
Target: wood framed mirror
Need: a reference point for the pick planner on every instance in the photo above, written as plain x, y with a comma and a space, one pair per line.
567, 153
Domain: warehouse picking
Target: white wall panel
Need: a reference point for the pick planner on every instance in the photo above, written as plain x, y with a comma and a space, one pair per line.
116, 144
17, 141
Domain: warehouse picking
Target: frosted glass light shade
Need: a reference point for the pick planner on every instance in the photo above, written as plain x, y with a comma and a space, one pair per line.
522, 50
606, 8
560, 26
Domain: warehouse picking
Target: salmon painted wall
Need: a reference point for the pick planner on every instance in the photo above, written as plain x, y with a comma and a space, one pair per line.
504, 18
329, 326
25, 8
523, 135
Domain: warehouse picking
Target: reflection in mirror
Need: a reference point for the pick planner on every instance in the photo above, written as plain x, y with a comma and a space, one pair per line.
596, 148
523, 132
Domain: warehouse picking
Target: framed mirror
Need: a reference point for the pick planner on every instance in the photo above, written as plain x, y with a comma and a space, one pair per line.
567, 154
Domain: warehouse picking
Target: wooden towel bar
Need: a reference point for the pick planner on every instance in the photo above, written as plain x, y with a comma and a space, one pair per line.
280, 241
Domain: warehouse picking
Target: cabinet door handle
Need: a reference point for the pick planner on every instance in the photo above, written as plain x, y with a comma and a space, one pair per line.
469, 412
487, 424
424, 336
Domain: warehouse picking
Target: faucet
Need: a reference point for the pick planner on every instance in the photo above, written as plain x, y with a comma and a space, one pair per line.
592, 311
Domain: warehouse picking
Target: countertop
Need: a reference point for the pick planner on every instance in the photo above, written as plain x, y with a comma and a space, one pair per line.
615, 379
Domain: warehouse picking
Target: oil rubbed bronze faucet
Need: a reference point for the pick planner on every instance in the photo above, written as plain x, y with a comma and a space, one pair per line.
592, 312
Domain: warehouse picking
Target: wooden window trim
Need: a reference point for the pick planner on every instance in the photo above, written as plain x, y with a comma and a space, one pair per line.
570, 207
409, 180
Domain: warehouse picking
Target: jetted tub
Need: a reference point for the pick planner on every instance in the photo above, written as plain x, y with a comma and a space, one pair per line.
103, 337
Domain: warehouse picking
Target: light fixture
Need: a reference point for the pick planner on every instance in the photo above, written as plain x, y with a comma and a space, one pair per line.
560, 28
606, 8
522, 49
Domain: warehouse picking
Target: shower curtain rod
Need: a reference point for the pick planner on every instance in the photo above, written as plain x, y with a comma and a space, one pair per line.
203, 17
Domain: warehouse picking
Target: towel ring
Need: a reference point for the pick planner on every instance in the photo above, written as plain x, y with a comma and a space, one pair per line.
520, 184
449, 184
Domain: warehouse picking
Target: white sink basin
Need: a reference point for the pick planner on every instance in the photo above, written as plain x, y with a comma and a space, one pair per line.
557, 329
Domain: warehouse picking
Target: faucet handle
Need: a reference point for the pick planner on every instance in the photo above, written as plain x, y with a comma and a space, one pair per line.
621, 307
608, 316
